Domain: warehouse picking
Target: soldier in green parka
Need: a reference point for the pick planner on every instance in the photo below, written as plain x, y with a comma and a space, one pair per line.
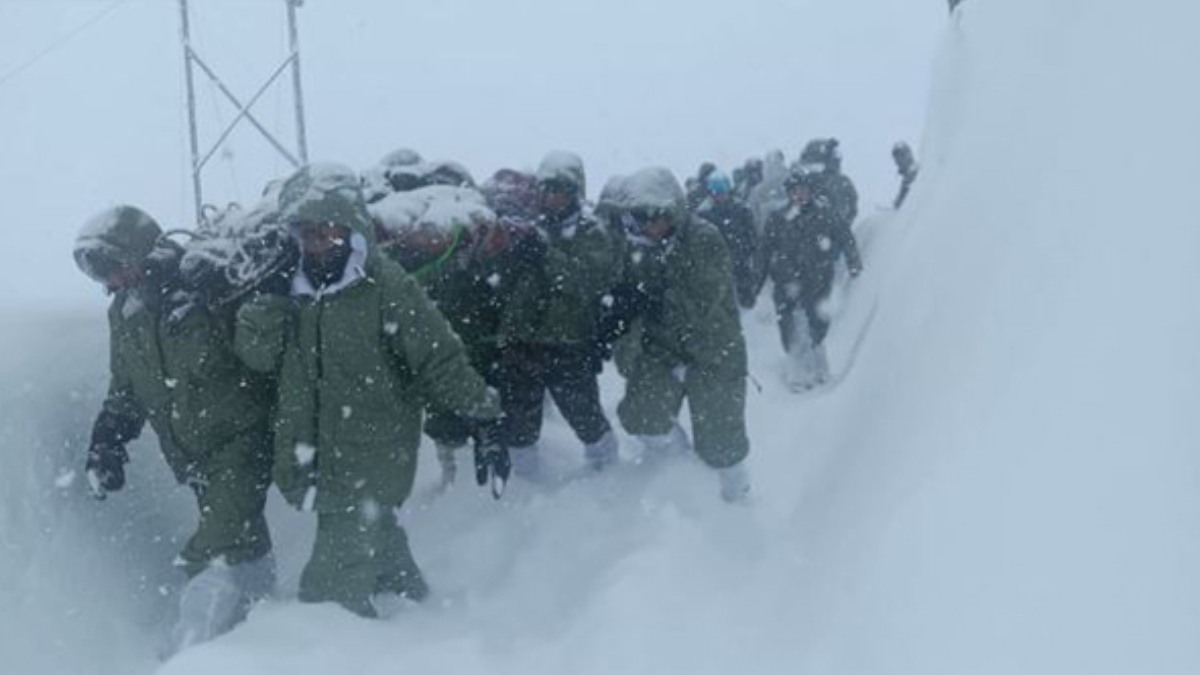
550, 332
360, 351
468, 262
173, 365
691, 341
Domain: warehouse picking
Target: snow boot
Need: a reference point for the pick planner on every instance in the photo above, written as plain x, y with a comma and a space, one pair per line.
388, 605
447, 459
217, 599
526, 462
801, 366
674, 443
602, 453
735, 483
820, 365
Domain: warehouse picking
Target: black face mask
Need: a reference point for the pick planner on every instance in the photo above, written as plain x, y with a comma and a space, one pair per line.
330, 267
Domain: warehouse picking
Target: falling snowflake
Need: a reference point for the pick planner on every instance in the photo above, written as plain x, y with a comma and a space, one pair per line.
305, 453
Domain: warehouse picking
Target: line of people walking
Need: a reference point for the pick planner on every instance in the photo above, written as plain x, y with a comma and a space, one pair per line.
309, 341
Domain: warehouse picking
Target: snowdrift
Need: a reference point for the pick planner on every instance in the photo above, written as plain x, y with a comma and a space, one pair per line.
1018, 491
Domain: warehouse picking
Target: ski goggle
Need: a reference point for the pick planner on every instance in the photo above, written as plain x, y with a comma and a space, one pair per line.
556, 187
630, 225
634, 221
99, 264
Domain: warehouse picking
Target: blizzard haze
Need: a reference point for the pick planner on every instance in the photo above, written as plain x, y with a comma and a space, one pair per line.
1004, 479
100, 120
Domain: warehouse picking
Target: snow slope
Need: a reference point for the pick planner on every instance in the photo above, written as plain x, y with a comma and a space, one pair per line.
1020, 493
1007, 482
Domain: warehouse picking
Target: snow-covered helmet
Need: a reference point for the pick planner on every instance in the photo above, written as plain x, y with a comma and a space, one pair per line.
614, 196
650, 194
447, 172
654, 191
798, 177
119, 237
821, 154
564, 169
324, 192
401, 157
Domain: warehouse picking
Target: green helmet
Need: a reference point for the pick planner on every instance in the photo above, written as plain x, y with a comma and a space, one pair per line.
115, 238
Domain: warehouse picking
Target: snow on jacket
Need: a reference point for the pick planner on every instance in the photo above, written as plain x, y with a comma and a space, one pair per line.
356, 362
691, 316
174, 365
562, 304
802, 244
735, 222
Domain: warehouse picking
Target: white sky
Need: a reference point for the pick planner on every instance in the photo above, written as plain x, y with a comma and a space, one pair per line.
101, 119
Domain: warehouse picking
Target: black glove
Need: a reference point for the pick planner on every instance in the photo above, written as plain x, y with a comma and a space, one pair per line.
492, 463
105, 468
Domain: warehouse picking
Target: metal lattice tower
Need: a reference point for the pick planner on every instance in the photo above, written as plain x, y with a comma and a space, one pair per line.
192, 60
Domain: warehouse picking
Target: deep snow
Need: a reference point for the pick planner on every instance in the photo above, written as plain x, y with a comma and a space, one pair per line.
1007, 481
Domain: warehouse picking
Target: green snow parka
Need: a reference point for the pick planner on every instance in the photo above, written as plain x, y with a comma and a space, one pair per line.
691, 317
561, 305
178, 371
357, 362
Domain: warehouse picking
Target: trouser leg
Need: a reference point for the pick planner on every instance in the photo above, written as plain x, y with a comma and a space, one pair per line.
653, 396
227, 559
399, 572
628, 348
231, 494
355, 557
342, 567
717, 402
745, 283
573, 386
818, 285
785, 315
817, 321
522, 393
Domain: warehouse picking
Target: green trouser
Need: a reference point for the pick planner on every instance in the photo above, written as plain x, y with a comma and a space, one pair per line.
654, 395
355, 557
231, 494
627, 348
